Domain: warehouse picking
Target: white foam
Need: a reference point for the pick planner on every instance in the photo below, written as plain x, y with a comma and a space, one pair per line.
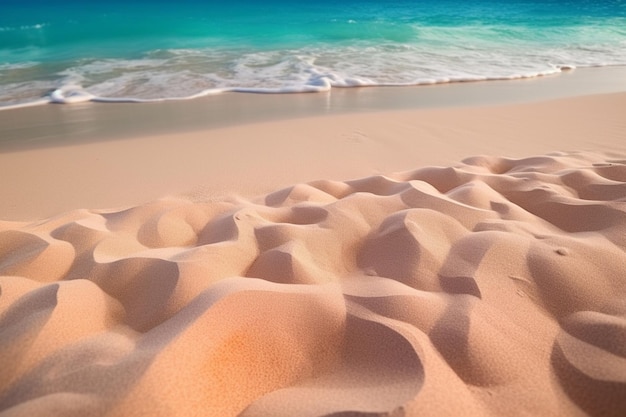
184, 74
33, 103
36, 26
17, 65
70, 95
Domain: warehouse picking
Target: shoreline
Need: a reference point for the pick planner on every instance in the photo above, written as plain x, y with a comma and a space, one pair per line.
257, 158
64, 124
102, 156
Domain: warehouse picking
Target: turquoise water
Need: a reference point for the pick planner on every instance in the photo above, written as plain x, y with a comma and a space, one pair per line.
138, 50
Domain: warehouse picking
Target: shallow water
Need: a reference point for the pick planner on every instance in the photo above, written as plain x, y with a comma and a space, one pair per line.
140, 50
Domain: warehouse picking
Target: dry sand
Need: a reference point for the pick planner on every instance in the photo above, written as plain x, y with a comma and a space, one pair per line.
492, 285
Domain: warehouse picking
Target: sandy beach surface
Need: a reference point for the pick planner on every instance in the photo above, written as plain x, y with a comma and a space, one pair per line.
354, 258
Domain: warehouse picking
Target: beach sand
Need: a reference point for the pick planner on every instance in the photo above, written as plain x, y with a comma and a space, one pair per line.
406, 262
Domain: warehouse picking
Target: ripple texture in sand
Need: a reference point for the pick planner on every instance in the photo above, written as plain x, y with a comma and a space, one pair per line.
495, 287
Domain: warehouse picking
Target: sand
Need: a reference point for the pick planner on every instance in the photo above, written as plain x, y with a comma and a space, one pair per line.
440, 262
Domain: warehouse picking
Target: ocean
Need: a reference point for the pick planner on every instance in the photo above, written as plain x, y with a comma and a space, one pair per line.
138, 50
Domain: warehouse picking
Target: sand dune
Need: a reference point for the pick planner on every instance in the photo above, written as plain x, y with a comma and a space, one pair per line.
494, 287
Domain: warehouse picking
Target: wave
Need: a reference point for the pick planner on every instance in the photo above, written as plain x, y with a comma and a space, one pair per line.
127, 52
36, 26
184, 74
72, 94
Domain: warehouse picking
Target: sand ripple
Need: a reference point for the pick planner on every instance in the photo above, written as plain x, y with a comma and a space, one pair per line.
496, 287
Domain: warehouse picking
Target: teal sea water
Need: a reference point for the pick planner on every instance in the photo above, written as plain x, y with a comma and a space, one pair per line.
139, 50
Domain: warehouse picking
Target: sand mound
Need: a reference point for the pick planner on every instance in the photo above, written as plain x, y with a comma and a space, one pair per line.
496, 287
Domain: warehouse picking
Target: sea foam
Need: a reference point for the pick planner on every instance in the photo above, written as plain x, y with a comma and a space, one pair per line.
133, 55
